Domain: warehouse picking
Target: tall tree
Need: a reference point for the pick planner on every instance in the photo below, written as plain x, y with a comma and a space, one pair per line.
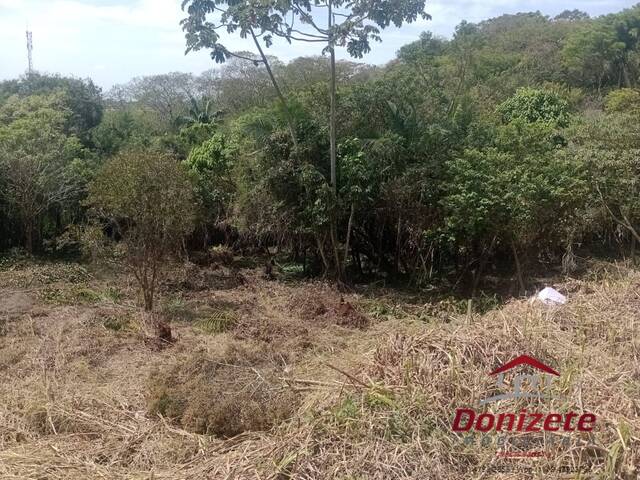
331, 23
35, 158
166, 95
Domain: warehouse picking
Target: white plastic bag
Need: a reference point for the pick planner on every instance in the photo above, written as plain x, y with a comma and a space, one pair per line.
550, 296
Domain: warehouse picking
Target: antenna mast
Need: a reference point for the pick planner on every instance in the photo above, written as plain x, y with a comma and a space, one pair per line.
30, 50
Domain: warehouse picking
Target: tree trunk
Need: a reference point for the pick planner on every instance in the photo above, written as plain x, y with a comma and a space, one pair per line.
148, 301
332, 99
518, 268
349, 228
322, 255
481, 265
332, 143
396, 257
28, 233
336, 251
283, 101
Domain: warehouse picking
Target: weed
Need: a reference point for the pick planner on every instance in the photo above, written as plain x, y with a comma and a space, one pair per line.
116, 323
69, 295
217, 322
346, 412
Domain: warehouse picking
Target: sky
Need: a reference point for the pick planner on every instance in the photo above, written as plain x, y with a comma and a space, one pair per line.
112, 41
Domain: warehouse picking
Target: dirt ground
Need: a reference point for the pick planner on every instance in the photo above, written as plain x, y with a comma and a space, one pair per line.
293, 379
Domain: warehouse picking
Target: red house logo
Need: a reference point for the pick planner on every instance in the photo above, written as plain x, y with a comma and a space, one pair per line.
525, 360
537, 383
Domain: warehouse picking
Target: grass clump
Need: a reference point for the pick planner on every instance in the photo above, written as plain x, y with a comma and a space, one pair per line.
116, 323
218, 321
76, 295
212, 397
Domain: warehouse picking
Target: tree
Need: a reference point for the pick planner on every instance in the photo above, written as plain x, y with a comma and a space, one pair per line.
123, 128
147, 197
244, 17
200, 112
82, 99
242, 84
302, 72
359, 23
167, 95
518, 193
591, 53
623, 100
574, 15
608, 146
36, 158
212, 164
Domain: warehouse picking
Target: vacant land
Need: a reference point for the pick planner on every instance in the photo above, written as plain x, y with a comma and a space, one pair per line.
279, 379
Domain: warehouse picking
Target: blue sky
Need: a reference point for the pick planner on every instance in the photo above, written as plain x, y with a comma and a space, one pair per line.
112, 41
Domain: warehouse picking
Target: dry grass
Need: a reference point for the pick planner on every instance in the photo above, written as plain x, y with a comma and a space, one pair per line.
315, 399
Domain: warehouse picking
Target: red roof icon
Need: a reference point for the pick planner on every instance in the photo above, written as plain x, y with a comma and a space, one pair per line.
525, 360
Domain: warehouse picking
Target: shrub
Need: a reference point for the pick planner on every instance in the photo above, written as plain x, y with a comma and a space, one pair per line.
148, 199
624, 100
533, 105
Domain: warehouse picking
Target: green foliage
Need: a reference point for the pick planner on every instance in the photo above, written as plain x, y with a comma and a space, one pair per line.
362, 24
82, 99
148, 198
604, 52
217, 322
449, 158
116, 323
214, 155
591, 53
121, 129
608, 145
534, 105
624, 100
212, 164
74, 294
523, 199
39, 162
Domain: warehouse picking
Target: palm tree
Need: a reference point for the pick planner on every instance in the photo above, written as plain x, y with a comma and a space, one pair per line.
200, 112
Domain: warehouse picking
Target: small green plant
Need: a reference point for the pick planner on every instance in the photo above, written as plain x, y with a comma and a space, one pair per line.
86, 295
380, 398
398, 427
292, 270
71, 295
385, 311
346, 412
115, 323
16, 257
219, 321
113, 294
70, 273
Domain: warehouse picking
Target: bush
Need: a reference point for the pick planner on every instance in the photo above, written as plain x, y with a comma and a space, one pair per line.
148, 199
533, 105
624, 100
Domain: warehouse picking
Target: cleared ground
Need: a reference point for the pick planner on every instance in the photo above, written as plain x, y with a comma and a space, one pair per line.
292, 379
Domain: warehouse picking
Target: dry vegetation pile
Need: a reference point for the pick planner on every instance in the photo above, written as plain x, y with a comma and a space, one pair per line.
275, 380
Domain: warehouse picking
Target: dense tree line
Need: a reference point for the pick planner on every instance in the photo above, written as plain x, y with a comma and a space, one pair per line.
514, 143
